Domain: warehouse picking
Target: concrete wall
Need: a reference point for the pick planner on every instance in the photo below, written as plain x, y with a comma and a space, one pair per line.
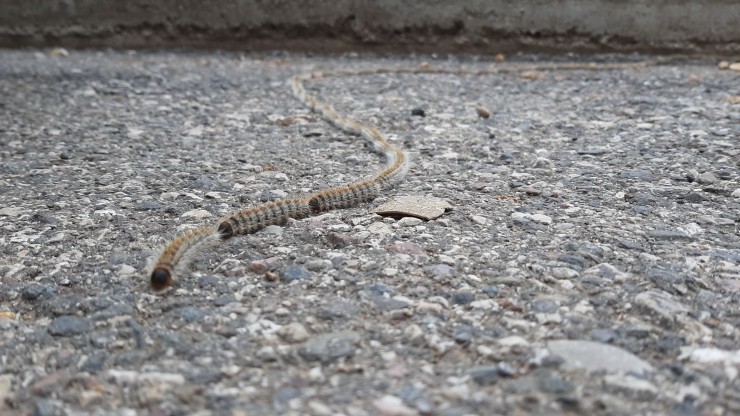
430, 25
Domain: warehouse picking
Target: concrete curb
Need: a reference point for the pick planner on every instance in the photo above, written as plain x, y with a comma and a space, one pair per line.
487, 26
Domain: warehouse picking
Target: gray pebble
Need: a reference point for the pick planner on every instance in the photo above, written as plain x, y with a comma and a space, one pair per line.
440, 271
544, 306
594, 356
330, 347
706, 178
37, 291
484, 376
638, 174
67, 326
292, 273
550, 382
337, 309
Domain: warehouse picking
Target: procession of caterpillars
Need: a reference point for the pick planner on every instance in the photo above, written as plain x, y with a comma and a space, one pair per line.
178, 251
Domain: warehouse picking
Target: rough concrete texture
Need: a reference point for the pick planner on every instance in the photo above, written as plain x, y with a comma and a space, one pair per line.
593, 211
436, 25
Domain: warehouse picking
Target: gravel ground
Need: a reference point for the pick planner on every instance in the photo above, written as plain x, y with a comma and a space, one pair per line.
590, 263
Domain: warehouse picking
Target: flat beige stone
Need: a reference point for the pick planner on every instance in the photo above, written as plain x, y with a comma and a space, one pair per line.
419, 206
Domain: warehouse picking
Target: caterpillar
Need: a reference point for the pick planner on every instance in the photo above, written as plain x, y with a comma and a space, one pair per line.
178, 251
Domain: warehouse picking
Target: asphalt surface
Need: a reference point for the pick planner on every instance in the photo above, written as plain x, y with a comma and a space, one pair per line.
590, 263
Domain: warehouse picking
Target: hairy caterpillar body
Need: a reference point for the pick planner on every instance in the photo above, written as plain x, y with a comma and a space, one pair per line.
250, 220
176, 252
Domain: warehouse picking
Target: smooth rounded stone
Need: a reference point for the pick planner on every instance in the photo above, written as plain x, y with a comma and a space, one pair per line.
35, 291
68, 325
660, 303
595, 356
337, 309
291, 273
293, 332
736, 193
409, 222
327, 348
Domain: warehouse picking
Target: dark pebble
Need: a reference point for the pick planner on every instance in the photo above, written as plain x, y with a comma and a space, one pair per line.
603, 335
463, 334
694, 197
628, 244
491, 290
484, 376
37, 291
380, 289
573, 260
292, 273
208, 281
93, 363
418, 112
48, 407
45, 218
66, 326
462, 298
552, 383
224, 300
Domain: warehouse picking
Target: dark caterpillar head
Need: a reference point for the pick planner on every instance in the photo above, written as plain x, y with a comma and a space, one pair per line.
226, 230
160, 279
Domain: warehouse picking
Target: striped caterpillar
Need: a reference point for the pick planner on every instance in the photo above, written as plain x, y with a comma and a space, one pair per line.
179, 250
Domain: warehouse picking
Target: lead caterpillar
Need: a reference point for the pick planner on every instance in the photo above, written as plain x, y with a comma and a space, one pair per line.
178, 251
